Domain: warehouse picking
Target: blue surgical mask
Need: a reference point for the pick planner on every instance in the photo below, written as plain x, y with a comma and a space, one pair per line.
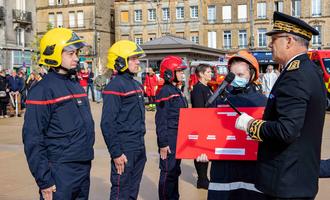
239, 82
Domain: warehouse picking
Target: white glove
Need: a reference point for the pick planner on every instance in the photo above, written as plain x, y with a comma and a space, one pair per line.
242, 122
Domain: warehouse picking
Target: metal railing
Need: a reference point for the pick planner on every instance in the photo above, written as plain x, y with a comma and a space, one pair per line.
22, 16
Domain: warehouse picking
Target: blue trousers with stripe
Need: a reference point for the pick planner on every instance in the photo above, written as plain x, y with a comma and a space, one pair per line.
168, 188
72, 180
126, 186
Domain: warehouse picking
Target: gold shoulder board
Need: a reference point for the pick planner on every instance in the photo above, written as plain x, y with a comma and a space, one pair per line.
293, 65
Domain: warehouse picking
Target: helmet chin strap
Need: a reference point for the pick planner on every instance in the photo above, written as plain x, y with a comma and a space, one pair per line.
71, 73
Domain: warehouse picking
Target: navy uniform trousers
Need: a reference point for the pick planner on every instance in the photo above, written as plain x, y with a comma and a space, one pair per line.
126, 186
72, 180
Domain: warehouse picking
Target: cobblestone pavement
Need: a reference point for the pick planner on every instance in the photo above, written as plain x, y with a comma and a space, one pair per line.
17, 183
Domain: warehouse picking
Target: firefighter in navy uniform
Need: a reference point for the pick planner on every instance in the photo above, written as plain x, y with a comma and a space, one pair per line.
235, 179
169, 101
123, 121
290, 132
58, 130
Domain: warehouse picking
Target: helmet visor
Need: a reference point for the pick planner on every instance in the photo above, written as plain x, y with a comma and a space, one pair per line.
138, 52
74, 46
183, 65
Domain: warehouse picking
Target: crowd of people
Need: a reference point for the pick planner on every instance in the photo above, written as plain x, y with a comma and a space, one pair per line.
59, 134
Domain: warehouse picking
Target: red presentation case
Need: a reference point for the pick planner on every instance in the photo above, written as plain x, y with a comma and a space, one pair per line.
212, 131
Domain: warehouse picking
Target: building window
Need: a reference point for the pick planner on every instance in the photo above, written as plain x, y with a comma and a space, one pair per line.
124, 16
51, 2
72, 19
194, 12
179, 13
80, 1
211, 13
242, 36
166, 14
296, 8
20, 37
278, 6
212, 39
195, 39
152, 14
80, 19
261, 10
152, 36
226, 14
242, 13
138, 40
262, 42
227, 39
316, 8
59, 20
51, 20
137, 15
317, 39
59, 2
71, 1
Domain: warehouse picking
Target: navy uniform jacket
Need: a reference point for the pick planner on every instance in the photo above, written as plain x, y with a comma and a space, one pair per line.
123, 115
289, 155
58, 126
169, 101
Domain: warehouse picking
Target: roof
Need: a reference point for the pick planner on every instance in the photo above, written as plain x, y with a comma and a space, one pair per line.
169, 39
169, 44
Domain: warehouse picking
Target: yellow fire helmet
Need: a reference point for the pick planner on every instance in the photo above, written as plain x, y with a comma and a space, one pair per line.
54, 42
120, 52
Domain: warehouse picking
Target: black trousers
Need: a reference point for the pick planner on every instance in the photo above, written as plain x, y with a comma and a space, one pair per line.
201, 169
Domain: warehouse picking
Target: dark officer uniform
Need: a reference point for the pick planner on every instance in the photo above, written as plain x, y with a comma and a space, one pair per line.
123, 129
235, 179
292, 125
169, 101
58, 136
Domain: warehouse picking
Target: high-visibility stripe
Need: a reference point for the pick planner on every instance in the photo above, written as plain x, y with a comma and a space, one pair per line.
167, 98
122, 93
232, 186
56, 100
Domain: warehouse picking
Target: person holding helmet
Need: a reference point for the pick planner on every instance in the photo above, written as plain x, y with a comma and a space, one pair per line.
123, 120
235, 179
169, 101
58, 130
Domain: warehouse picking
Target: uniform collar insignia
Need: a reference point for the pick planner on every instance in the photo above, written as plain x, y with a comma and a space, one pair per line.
293, 65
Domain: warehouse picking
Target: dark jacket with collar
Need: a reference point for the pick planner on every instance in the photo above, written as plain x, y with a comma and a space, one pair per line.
169, 101
123, 115
289, 155
58, 126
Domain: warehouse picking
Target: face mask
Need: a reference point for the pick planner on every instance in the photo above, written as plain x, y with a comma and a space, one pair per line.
239, 82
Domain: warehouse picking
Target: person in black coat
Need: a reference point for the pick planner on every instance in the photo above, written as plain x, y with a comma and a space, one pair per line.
290, 132
199, 95
4, 97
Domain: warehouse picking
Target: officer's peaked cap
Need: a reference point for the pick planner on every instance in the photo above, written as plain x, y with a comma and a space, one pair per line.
284, 23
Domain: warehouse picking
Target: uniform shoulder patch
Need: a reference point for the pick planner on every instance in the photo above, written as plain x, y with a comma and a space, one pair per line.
294, 65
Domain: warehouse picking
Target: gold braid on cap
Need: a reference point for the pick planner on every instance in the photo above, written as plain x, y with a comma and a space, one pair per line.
254, 130
288, 27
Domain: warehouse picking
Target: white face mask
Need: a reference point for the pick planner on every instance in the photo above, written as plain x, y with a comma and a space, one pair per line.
239, 82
